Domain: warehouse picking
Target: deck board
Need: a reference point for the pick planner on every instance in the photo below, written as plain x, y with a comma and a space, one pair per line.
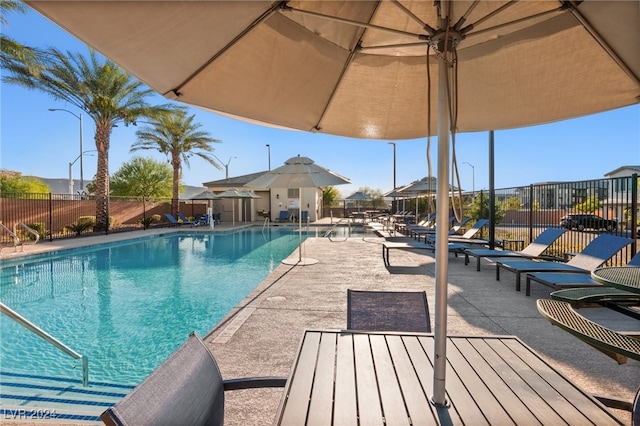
385, 378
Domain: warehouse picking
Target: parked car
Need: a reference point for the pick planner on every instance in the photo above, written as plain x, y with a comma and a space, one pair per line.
590, 221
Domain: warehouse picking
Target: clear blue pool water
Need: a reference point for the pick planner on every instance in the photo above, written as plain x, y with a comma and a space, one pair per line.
127, 306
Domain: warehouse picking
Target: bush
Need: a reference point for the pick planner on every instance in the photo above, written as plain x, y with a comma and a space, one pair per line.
79, 227
40, 228
87, 219
148, 221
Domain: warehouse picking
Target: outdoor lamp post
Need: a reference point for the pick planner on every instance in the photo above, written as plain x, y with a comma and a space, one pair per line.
226, 165
269, 155
473, 178
70, 171
394, 170
79, 117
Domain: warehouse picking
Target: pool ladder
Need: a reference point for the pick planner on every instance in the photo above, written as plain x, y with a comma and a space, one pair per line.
328, 233
12, 234
49, 339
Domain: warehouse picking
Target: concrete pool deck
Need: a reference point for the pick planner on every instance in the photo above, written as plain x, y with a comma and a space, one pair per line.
261, 335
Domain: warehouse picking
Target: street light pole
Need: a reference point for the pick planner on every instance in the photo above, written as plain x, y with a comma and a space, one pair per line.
473, 177
394, 164
394, 207
269, 155
226, 166
79, 117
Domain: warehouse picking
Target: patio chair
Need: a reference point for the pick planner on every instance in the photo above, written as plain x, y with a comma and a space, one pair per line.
388, 311
172, 220
568, 280
632, 406
283, 217
598, 251
616, 345
455, 248
429, 227
187, 388
183, 218
468, 237
533, 250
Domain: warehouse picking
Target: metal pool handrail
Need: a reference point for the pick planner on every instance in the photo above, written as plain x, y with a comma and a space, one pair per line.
48, 338
13, 235
28, 229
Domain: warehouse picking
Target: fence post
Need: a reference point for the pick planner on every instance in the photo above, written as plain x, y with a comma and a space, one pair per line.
50, 218
634, 211
530, 213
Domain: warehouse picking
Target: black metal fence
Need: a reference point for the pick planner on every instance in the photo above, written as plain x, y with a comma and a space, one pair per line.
56, 216
521, 213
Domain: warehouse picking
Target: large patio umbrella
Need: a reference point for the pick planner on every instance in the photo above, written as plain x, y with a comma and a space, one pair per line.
367, 69
298, 172
359, 196
209, 196
235, 194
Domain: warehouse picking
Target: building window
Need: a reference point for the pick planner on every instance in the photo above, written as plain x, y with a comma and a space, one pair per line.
293, 193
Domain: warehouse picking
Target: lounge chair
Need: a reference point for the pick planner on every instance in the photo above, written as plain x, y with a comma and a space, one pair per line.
283, 217
455, 248
567, 280
470, 233
593, 255
430, 227
388, 311
172, 220
186, 389
183, 218
533, 250
614, 344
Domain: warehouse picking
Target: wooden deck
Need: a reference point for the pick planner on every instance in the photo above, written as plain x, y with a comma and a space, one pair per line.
351, 378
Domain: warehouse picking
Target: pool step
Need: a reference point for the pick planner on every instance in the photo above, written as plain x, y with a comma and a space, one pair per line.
34, 397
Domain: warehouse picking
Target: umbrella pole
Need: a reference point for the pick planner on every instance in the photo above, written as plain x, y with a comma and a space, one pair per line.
442, 252
299, 224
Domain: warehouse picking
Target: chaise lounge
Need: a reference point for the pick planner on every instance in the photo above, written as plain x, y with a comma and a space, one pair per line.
598, 251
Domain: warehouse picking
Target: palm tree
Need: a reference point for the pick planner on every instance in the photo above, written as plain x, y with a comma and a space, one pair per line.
178, 137
13, 53
100, 88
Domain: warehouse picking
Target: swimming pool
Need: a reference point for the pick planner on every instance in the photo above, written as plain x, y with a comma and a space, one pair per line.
127, 306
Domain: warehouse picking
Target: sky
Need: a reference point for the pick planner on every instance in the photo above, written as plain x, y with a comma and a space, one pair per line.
38, 142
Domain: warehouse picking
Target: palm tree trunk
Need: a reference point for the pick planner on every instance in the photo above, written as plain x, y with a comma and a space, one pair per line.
102, 179
177, 166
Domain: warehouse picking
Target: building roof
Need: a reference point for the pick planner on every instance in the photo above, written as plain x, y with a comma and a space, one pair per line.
635, 169
233, 181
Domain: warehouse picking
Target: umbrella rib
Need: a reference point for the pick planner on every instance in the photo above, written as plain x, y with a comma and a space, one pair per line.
507, 24
175, 92
356, 23
601, 41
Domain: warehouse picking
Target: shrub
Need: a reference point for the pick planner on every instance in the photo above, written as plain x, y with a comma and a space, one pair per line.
79, 227
148, 221
40, 228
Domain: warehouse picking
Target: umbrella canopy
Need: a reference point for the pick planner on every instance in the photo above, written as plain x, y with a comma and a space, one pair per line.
298, 172
367, 69
205, 195
358, 196
359, 68
235, 194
